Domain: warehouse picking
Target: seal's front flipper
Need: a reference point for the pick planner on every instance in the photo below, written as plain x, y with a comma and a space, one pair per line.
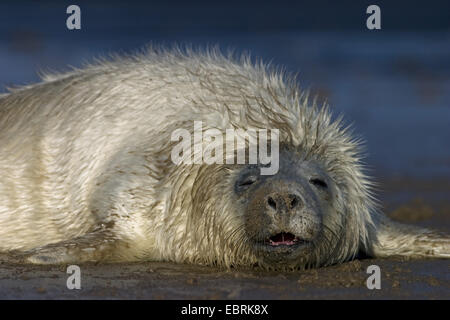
91, 247
391, 238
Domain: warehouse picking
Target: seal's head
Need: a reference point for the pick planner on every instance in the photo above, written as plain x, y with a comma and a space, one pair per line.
291, 217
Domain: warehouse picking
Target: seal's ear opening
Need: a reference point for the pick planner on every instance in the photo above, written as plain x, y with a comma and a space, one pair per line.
390, 238
396, 239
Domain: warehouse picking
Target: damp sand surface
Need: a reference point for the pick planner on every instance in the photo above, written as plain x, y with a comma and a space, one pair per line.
424, 203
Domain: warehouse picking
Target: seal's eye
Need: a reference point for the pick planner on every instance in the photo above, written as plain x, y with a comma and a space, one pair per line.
318, 183
247, 181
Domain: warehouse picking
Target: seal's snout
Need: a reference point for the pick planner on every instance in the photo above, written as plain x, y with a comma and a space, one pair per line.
283, 217
280, 203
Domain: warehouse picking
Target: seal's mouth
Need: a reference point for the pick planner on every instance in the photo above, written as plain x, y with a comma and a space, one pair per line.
282, 247
284, 239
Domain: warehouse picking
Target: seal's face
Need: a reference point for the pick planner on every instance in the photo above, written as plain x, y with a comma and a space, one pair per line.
285, 213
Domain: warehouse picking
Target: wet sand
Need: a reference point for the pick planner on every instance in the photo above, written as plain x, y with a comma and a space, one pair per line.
420, 279
424, 203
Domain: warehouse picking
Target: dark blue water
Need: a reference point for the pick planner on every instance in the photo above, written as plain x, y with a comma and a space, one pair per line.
392, 84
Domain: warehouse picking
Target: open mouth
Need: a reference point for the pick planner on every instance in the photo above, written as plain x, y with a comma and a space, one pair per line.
284, 239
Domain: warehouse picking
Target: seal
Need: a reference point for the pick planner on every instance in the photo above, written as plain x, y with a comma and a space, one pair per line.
86, 172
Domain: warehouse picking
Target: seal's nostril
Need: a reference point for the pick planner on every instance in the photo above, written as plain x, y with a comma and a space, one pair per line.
272, 203
293, 201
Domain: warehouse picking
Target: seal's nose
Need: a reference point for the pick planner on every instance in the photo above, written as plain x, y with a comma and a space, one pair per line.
280, 202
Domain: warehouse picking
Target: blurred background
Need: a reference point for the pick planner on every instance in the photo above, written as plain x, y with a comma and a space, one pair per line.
392, 84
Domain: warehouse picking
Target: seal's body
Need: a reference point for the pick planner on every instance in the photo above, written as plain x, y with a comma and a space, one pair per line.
86, 172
